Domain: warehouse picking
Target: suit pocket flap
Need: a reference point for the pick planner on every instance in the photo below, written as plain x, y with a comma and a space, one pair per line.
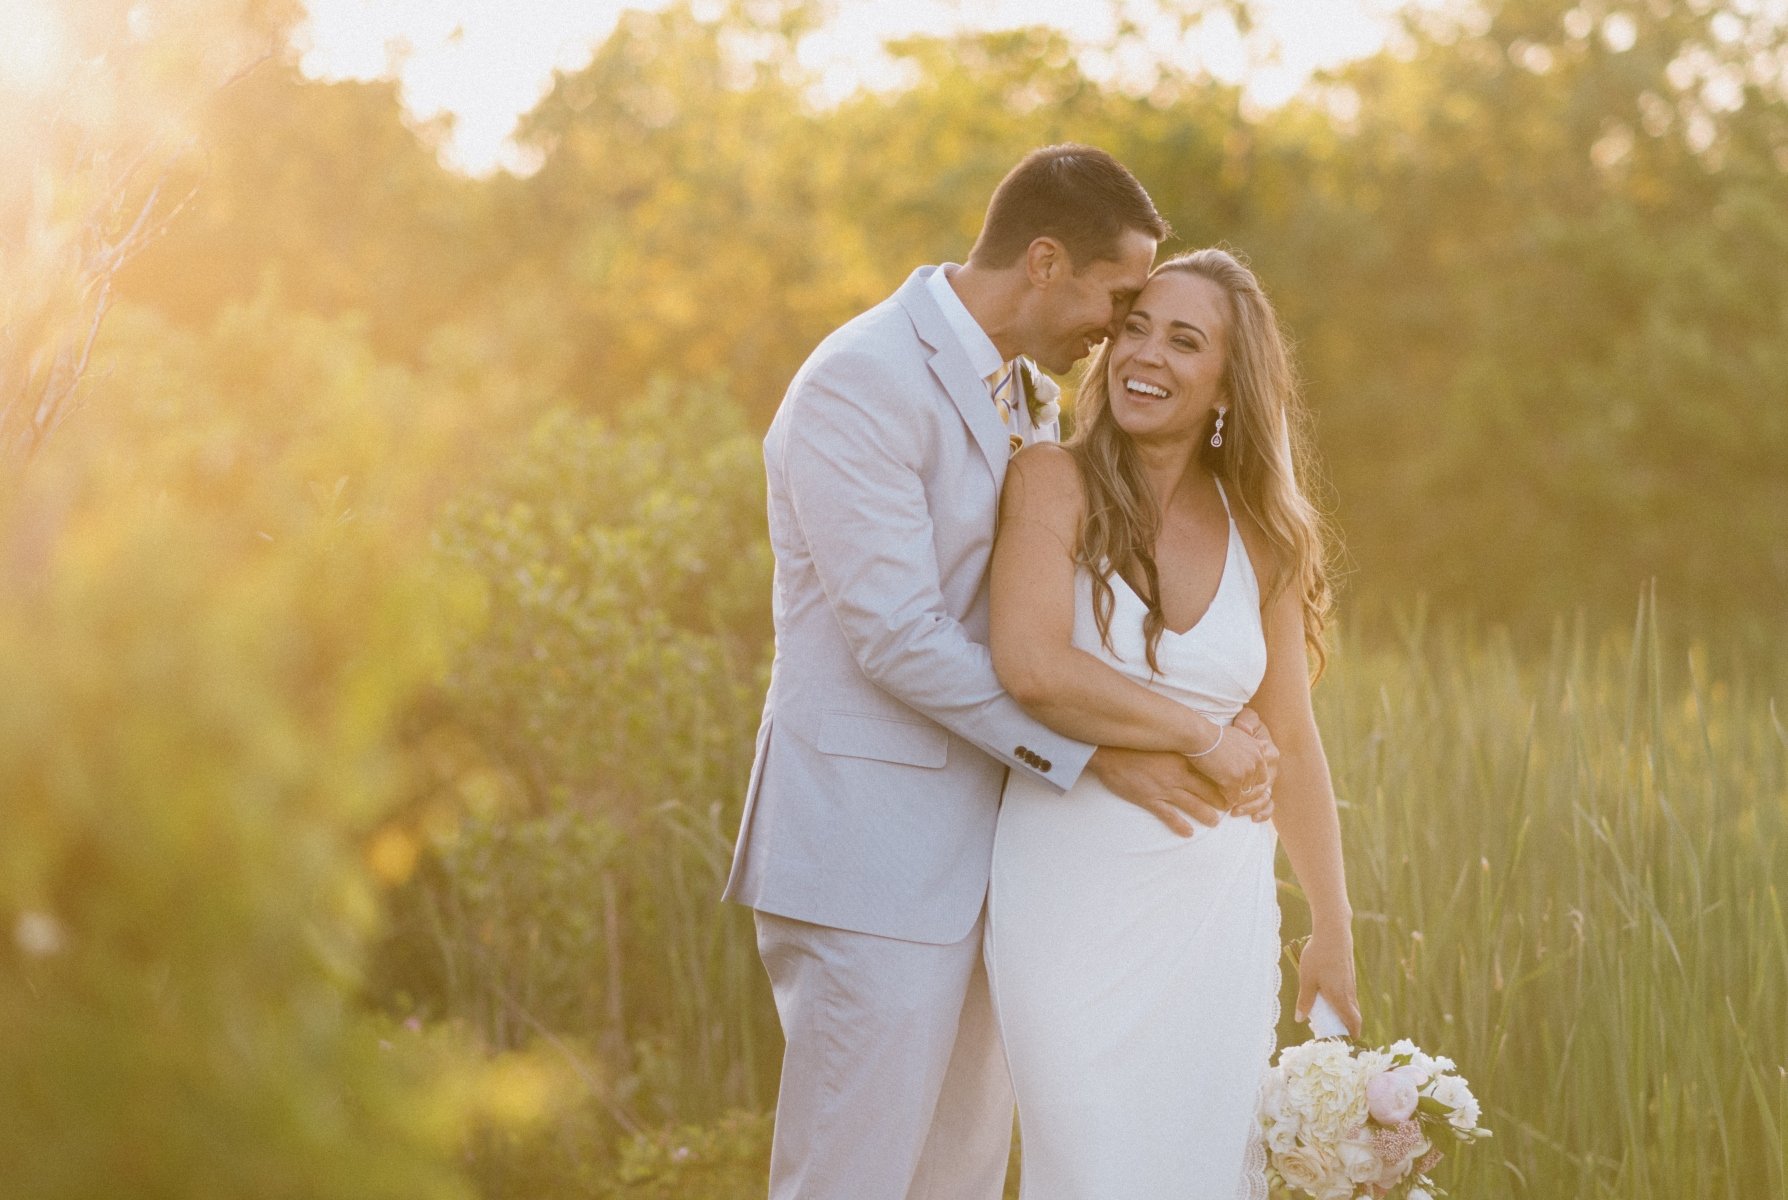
855, 735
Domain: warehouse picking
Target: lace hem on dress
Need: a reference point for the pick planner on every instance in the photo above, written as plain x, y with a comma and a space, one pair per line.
1254, 1161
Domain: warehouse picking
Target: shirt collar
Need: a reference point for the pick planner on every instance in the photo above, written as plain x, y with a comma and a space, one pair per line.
982, 354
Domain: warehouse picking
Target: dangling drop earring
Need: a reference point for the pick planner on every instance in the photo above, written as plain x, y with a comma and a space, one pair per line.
1217, 434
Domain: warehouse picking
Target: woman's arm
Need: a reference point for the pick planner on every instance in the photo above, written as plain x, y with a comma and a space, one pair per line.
1071, 691
1305, 815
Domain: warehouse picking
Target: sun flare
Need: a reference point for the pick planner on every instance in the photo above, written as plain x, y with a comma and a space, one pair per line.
31, 45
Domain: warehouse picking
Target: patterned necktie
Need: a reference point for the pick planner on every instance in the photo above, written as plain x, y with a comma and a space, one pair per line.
1005, 398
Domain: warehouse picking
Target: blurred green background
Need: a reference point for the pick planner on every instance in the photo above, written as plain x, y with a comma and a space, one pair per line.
384, 592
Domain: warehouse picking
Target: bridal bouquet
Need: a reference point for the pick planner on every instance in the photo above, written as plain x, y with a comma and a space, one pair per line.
1343, 1123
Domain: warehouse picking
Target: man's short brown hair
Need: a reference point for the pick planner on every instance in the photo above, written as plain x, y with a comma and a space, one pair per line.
1078, 195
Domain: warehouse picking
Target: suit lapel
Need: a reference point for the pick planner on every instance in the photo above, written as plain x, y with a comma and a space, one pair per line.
950, 364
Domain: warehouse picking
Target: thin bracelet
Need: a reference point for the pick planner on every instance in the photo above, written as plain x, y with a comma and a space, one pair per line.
1213, 745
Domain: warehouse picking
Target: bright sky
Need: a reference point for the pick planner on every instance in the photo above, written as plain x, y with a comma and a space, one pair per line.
488, 61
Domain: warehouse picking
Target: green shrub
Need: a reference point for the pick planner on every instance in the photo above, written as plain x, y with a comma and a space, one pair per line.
216, 605
194, 753
598, 732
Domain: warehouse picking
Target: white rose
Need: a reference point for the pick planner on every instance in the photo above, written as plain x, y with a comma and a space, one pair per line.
1279, 1123
1455, 1094
1418, 1193
1304, 1167
1359, 1159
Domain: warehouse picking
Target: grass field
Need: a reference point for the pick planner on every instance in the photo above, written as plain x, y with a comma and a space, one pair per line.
1569, 875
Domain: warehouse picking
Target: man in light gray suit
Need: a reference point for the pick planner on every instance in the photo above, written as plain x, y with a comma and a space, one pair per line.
886, 738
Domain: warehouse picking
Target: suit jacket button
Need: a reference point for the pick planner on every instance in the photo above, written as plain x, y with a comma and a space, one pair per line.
1045, 764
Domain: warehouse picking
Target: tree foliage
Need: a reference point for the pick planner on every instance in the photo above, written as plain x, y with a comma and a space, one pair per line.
1527, 254
206, 658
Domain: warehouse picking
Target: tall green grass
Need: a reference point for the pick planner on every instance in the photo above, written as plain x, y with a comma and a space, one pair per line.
1569, 877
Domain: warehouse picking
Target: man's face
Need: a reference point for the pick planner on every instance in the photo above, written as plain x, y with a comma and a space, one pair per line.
1081, 308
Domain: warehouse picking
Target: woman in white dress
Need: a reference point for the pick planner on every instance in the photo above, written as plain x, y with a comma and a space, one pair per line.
1152, 578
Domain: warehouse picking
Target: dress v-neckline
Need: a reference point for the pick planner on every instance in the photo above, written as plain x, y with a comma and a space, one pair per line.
1222, 578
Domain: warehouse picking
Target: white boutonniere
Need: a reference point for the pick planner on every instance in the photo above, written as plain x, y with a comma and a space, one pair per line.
1042, 397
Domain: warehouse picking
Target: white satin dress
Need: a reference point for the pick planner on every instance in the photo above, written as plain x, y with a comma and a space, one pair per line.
1135, 972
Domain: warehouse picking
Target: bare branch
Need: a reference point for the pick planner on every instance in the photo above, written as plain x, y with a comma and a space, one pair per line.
46, 353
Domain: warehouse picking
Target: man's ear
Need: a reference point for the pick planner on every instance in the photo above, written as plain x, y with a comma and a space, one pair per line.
1046, 261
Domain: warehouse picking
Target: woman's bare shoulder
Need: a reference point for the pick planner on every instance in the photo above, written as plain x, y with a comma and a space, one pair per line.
1045, 466
1043, 481
1045, 473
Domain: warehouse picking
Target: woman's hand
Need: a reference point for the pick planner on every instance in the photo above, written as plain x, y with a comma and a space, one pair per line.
1326, 966
1258, 806
1236, 763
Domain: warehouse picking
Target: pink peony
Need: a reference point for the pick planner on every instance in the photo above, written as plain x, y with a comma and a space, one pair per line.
1391, 1097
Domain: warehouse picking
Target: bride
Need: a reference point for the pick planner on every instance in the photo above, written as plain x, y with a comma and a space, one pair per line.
1151, 578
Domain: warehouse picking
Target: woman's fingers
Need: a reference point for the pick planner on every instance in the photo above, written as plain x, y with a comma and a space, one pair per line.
1350, 1013
1257, 808
1306, 994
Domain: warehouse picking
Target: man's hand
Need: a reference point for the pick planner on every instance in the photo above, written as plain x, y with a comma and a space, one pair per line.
1159, 782
1258, 804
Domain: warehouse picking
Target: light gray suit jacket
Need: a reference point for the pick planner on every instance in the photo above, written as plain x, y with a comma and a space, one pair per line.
886, 737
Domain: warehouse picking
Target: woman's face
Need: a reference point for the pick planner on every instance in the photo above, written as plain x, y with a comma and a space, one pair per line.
1166, 366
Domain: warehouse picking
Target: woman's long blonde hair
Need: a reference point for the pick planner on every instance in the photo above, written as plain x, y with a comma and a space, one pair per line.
1264, 450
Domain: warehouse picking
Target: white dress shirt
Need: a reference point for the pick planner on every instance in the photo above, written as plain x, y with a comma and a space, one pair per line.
983, 355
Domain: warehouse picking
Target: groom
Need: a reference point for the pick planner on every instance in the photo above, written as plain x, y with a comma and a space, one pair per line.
886, 738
